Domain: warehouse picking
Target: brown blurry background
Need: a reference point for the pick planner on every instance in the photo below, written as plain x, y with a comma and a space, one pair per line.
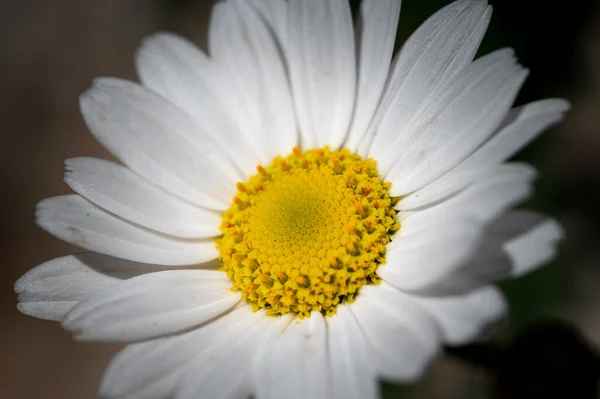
51, 50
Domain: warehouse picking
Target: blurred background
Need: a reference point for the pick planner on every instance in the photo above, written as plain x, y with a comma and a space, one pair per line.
51, 50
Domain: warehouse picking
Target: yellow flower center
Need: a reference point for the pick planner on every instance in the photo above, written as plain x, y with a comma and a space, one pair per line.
306, 232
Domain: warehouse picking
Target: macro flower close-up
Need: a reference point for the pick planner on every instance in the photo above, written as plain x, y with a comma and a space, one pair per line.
301, 211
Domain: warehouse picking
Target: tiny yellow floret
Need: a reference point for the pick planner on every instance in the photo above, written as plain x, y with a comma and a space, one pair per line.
306, 232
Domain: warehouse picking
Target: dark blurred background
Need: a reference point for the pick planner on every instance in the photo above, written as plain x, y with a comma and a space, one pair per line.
51, 50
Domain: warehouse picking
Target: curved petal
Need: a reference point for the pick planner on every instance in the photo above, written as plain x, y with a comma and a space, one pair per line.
159, 142
402, 338
250, 59
50, 290
77, 221
452, 228
321, 62
294, 364
123, 193
223, 372
535, 247
457, 122
439, 49
155, 389
352, 375
46, 310
501, 188
521, 126
462, 318
179, 71
421, 256
121, 377
161, 362
152, 305
375, 38
275, 13
514, 244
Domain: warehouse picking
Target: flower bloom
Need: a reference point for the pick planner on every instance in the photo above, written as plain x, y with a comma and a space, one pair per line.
298, 214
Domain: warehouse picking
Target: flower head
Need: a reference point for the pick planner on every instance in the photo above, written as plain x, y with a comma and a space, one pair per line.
297, 214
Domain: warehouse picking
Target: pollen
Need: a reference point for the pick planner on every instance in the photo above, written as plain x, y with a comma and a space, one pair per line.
307, 232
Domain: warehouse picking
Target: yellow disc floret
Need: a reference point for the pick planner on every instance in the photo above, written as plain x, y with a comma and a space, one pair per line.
306, 232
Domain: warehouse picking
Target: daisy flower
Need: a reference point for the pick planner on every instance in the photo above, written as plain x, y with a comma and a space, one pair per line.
296, 213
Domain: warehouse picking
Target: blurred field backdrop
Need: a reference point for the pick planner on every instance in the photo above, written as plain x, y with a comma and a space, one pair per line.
51, 50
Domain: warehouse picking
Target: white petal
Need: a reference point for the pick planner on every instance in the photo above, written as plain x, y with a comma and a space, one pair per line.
351, 373
77, 221
161, 362
182, 73
294, 364
457, 122
514, 244
441, 47
123, 193
50, 290
155, 389
375, 38
222, 20
422, 267
54, 311
248, 55
521, 126
321, 61
223, 371
462, 318
505, 186
152, 305
535, 247
68, 278
421, 255
402, 338
159, 142
275, 13
128, 367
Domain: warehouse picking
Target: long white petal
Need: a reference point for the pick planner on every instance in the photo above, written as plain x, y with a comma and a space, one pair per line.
352, 376
159, 142
456, 124
130, 366
275, 13
79, 222
504, 186
123, 193
224, 371
462, 318
402, 338
417, 257
321, 61
155, 389
159, 364
50, 290
514, 244
438, 50
536, 246
294, 364
178, 70
375, 38
113, 383
152, 305
53, 310
521, 126
248, 55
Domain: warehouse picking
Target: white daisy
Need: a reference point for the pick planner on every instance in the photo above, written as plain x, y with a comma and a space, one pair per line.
296, 215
